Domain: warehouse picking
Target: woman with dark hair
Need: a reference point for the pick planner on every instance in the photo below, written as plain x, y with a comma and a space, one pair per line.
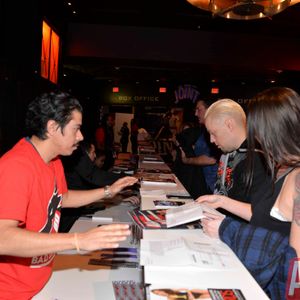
272, 128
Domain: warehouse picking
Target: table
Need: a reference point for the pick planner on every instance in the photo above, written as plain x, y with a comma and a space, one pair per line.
74, 279
237, 277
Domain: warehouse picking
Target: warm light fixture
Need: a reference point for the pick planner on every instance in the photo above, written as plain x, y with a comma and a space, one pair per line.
50, 53
243, 9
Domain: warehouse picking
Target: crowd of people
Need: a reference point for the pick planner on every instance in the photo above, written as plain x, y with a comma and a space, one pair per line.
246, 165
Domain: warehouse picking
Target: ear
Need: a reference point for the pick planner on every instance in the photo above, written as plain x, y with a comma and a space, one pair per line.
229, 123
51, 127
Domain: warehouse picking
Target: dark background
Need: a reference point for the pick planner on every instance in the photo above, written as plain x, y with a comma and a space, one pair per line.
140, 46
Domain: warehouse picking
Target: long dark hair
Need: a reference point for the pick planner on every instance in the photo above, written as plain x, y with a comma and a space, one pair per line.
273, 123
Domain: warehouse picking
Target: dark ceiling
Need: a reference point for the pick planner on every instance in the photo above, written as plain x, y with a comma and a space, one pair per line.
171, 14
177, 14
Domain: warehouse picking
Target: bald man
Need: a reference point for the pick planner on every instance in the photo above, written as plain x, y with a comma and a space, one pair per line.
225, 121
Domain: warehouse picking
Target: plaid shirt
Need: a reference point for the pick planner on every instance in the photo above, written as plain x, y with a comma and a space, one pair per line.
266, 254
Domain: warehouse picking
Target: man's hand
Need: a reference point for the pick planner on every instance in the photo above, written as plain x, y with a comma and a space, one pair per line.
106, 236
121, 183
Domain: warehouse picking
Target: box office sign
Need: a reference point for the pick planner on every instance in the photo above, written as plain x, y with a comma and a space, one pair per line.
136, 99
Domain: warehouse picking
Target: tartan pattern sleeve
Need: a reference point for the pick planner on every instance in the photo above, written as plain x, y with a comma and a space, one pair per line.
266, 254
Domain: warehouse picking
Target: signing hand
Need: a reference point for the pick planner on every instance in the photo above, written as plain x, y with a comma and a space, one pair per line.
106, 236
211, 224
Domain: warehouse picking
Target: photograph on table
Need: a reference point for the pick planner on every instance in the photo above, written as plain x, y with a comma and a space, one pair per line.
193, 294
156, 219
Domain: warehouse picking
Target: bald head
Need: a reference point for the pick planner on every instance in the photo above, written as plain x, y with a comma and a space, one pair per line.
225, 120
226, 108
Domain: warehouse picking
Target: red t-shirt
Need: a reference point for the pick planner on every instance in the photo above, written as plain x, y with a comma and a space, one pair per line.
30, 192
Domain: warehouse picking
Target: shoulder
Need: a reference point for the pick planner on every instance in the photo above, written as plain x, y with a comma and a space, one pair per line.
18, 166
22, 154
293, 179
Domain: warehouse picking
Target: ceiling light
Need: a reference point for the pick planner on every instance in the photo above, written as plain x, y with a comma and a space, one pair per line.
243, 9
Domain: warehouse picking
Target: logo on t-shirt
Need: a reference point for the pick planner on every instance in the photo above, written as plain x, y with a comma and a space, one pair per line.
51, 225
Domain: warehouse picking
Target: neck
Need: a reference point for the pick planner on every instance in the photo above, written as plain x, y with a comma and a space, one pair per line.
42, 147
242, 137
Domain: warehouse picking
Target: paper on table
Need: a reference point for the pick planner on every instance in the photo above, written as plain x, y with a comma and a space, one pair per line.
202, 253
147, 192
150, 178
164, 204
188, 212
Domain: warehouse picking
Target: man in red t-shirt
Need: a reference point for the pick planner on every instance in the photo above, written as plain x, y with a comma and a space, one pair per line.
33, 190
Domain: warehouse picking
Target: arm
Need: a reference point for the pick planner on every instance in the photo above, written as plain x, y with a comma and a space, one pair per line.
295, 229
20, 242
202, 160
79, 198
238, 208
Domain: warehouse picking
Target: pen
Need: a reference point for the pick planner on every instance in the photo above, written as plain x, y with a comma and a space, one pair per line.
117, 255
122, 249
179, 196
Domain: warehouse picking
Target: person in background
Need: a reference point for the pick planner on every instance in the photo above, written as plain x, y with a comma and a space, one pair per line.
134, 131
206, 154
225, 121
174, 122
104, 137
270, 242
32, 178
83, 174
124, 132
191, 176
100, 158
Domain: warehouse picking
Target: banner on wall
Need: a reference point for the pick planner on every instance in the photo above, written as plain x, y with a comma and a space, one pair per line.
186, 92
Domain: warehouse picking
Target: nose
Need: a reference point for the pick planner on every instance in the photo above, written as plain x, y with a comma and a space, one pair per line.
79, 136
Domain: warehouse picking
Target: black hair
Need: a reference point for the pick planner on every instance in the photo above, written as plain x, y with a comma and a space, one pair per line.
273, 125
206, 102
57, 106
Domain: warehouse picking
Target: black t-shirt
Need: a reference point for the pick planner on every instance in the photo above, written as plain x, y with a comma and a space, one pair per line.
235, 186
261, 182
